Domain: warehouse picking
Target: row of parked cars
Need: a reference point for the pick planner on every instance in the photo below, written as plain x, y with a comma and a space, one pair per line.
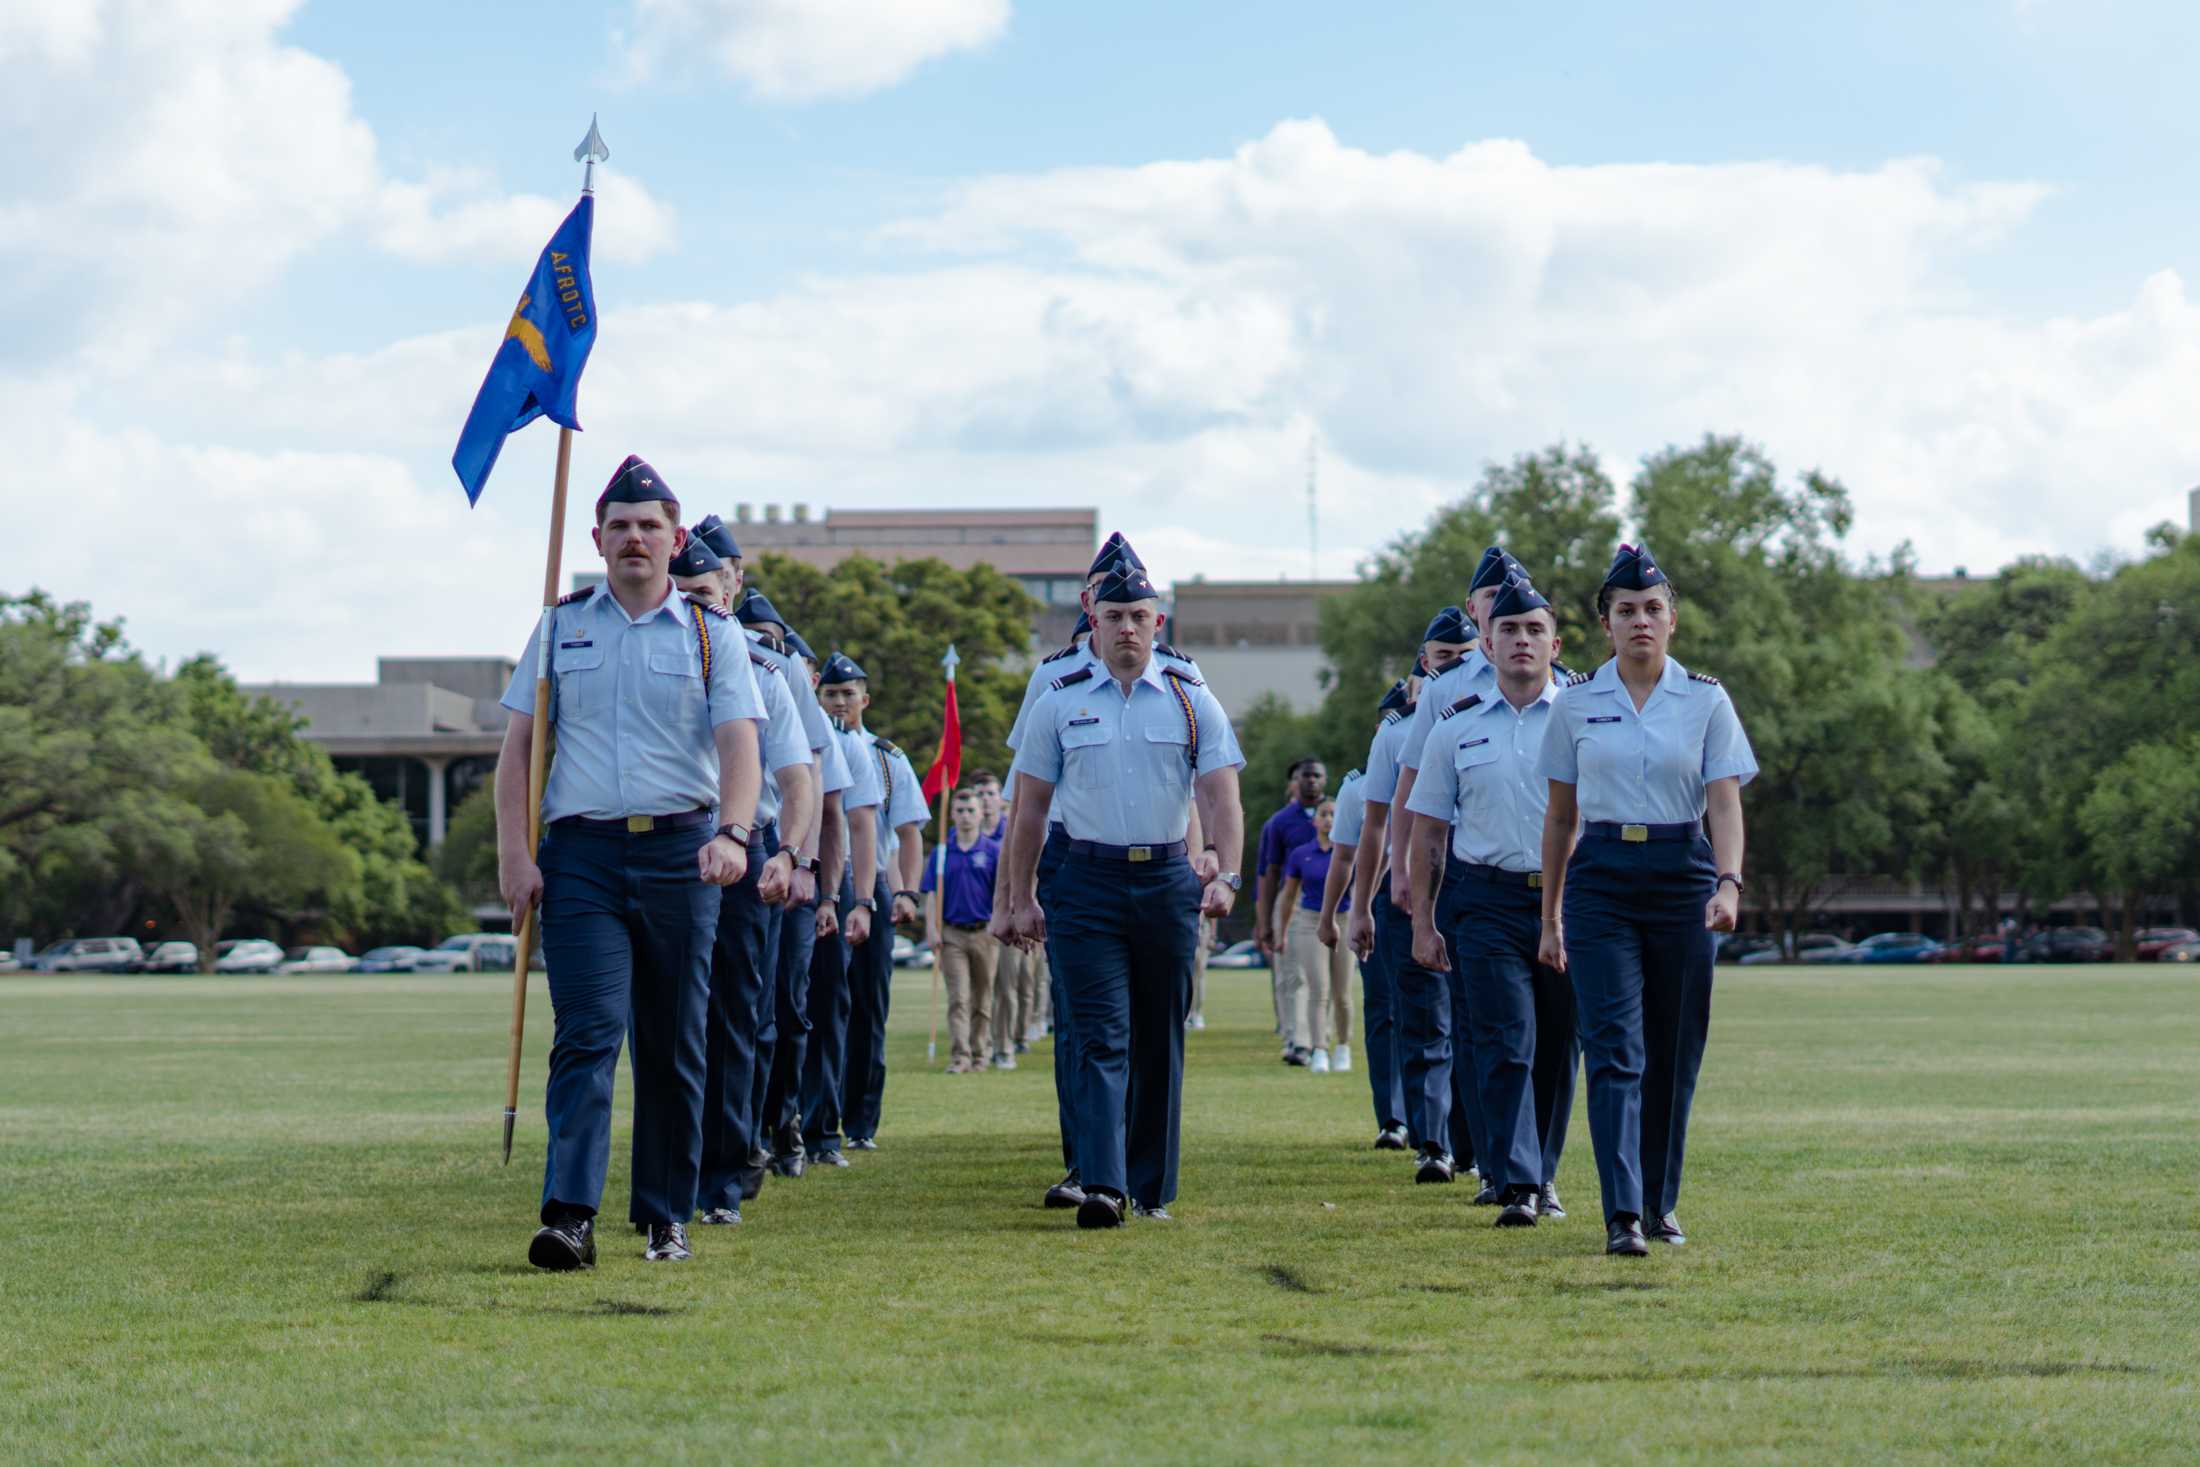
466, 952
2048, 945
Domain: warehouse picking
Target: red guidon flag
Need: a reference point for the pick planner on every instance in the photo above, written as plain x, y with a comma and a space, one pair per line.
947, 765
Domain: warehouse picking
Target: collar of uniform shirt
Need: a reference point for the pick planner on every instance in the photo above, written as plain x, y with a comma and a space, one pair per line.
1673, 680
1498, 699
1151, 675
603, 593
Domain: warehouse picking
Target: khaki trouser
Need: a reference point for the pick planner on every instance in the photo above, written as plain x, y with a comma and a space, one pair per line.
1316, 986
967, 961
1012, 998
1199, 966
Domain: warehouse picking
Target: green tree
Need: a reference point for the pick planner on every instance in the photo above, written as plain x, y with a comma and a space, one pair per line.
897, 622
245, 834
467, 859
2141, 823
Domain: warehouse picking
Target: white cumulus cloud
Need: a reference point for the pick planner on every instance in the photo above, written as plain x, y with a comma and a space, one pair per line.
805, 50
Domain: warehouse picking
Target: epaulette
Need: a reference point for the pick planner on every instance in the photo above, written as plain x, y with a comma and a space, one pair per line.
1069, 679
1350, 775
1165, 650
1393, 715
1578, 679
1560, 671
1703, 677
1070, 651
716, 610
1461, 706
756, 655
1182, 677
572, 596
883, 746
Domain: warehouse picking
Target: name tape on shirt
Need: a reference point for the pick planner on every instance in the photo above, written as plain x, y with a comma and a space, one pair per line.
1608, 718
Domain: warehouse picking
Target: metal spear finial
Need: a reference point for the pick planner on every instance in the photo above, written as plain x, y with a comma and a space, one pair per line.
592, 150
951, 661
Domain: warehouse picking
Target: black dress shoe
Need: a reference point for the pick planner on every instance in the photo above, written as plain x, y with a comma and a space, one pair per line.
1066, 1193
668, 1243
1548, 1203
788, 1164
1667, 1230
1624, 1237
1489, 1195
1099, 1210
567, 1243
1391, 1138
827, 1158
1295, 1056
1434, 1167
1519, 1210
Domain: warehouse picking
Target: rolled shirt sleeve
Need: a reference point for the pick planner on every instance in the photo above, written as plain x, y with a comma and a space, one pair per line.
1436, 787
1558, 760
519, 693
1040, 753
1726, 751
733, 692
908, 806
1218, 743
785, 744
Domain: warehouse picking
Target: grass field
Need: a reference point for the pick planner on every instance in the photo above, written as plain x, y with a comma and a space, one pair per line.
1934, 1214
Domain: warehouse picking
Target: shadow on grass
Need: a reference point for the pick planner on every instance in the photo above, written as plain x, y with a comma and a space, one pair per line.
1328, 1349
382, 1289
1886, 1370
1287, 1280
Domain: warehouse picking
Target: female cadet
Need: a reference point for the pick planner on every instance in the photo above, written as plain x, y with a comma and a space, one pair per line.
1318, 1002
1648, 756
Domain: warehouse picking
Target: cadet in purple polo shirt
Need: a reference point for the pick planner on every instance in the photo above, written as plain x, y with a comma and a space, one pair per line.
1289, 828
968, 956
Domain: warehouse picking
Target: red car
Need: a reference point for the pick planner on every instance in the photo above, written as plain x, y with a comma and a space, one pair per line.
1984, 948
2152, 942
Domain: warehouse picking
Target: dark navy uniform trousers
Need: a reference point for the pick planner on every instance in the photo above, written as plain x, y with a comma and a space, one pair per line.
1641, 962
627, 929
870, 994
1520, 1016
1124, 935
826, 1063
1437, 1115
740, 959
779, 1063
1065, 1045
1379, 1033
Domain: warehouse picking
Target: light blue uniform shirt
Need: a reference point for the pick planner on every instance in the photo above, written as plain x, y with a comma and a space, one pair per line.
1470, 674
1480, 772
1120, 765
861, 770
633, 718
901, 799
1381, 779
1351, 814
1646, 768
1054, 666
786, 745
816, 727
832, 768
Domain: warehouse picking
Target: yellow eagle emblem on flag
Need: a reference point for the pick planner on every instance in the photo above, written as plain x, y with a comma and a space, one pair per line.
528, 335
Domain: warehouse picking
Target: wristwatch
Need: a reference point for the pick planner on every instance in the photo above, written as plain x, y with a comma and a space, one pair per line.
738, 834
1231, 879
867, 904
812, 865
916, 898
1725, 877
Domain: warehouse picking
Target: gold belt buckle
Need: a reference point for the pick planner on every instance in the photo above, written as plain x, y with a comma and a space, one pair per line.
1535, 881
640, 824
1635, 833
1138, 853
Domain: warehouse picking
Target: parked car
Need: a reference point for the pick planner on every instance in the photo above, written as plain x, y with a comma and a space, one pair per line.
459, 953
1244, 954
2152, 942
496, 955
89, 955
1735, 947
2070, 945
398, 959
170, 957
1890, 947
1982, 948
247, 955
909, 954
2183, 952
1810, 947
316, 960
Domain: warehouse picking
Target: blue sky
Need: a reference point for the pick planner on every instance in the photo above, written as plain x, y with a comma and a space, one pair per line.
972, 251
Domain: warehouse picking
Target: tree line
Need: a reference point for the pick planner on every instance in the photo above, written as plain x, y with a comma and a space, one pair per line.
2034, 732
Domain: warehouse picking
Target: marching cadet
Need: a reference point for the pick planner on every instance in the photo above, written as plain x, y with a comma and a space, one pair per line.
844, 926
845, 690
646, 819
1118, 749
742, 956
1480, 789
1378, 993
1647, 756
1440, 1121
1115, 555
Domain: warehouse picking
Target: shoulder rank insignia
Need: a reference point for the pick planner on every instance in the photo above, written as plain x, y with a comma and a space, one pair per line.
572, 596
1070, 679
1560, 672
1165, 650
1350, 775
1393, 715
1578, 679
1461, 706
883, 746
716, 610
1183, 677
1703, 677
756, 655
1068, 651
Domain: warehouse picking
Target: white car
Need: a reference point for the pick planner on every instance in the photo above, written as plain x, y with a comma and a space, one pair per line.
89, 955
171, 957
247, 955
316, 960
1244, 954
462, 953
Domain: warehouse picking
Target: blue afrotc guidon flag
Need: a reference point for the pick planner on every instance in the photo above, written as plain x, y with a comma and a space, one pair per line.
537, 369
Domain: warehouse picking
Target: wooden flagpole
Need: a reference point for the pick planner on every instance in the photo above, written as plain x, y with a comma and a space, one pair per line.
938, 903
537, 762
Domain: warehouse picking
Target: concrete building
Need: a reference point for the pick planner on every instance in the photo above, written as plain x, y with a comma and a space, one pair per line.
1252, 638
423, 733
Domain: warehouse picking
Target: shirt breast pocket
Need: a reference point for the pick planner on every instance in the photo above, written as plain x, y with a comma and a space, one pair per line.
1470, 768
1168, 751
674, 688
576, 679
1085, 754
